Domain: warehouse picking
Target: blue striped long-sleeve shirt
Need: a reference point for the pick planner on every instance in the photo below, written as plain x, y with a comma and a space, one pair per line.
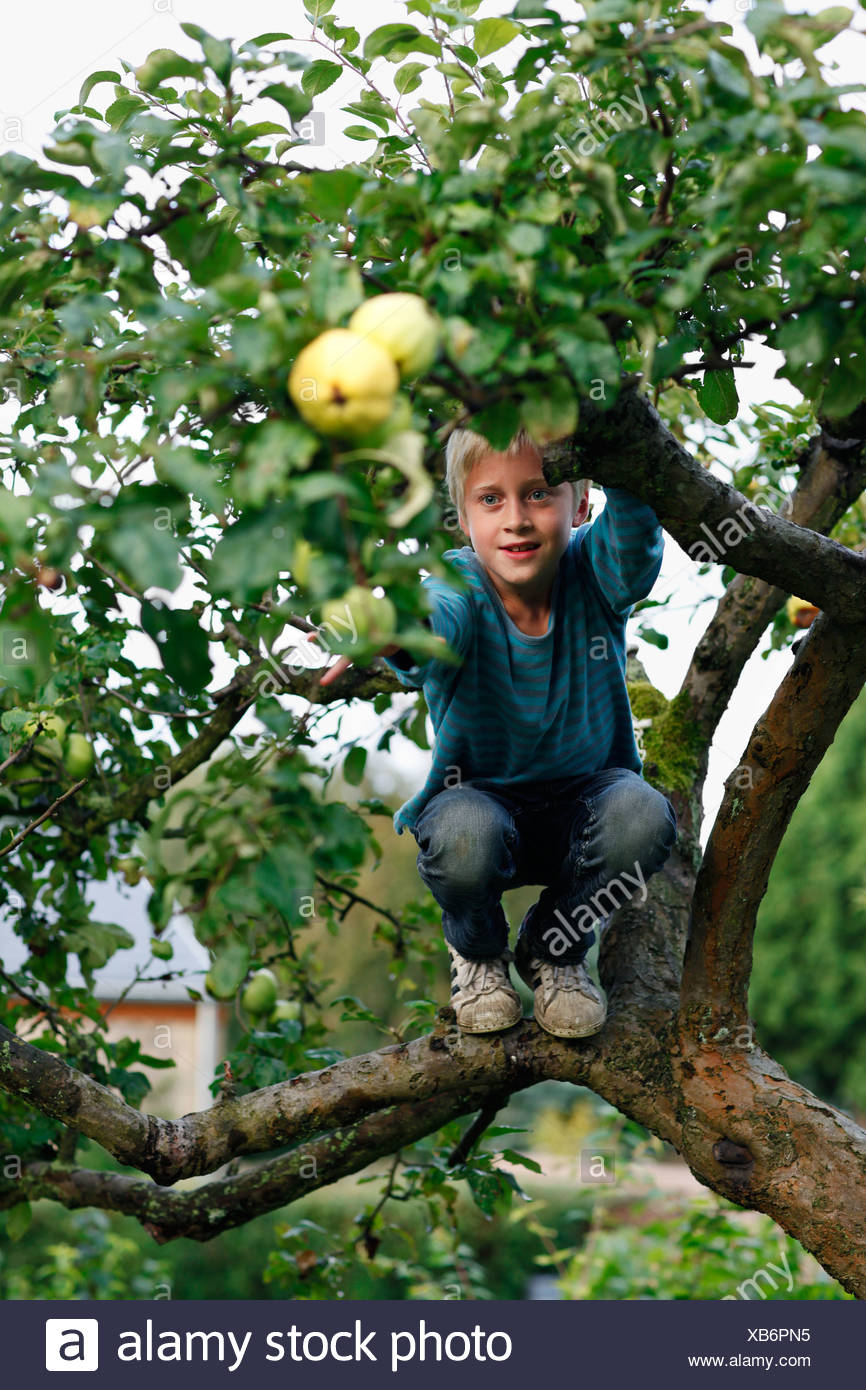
523, 708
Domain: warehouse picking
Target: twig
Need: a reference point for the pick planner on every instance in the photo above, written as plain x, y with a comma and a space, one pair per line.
371, 1242
485, 1117
22, 834
48, 1009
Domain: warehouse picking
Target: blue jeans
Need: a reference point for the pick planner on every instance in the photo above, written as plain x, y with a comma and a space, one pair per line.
592, 840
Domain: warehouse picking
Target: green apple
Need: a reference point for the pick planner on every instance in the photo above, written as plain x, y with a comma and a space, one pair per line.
403, 324
260, 995
285, 1008
343, 384
373, 619
51, 736
131, 870
78, 758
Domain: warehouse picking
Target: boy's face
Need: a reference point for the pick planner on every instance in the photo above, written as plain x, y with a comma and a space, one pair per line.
509, 503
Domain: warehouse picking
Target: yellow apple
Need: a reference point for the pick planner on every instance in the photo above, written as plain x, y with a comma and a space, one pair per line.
78, 758
343, 384
405, 325
801, 613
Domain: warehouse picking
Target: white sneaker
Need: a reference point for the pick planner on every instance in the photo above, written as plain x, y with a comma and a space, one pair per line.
568, 1003
482, 995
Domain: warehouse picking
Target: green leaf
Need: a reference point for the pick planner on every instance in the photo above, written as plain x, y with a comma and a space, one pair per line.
550, 411
92, 81
490, 1191
718, 396
492, 34
354, 764
272, 36
206, 249
18, 1219
525, 238
146, 553
163, 63
333, 191
122, 108
728, 76
408, 78
360, 132
587, 351
319, 76
274, 450
843, 392
513, 1156
182, 642
292, 99
395, 41
228, 970
334, 286
656, 639
95, 943
218, 53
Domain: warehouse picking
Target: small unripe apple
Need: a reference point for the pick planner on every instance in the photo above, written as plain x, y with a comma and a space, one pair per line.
260, 995
373, 618
285, 1008
131, 870
405, 325
51, 736
343, 384
78, 758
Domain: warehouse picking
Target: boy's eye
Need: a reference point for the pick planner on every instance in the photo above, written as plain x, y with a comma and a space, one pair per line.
545, 492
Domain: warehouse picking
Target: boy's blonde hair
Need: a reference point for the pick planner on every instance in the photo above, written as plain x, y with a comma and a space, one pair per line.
465, 448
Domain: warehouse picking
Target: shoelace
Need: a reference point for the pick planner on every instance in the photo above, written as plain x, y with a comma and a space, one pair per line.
481, 974
564, 976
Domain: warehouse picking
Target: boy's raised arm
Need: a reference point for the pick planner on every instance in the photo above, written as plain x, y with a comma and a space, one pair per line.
623, 548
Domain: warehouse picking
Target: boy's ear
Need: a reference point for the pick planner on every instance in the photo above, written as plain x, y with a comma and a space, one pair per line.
464, 526
580, 514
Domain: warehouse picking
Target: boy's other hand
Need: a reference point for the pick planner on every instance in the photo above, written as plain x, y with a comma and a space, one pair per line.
344, 662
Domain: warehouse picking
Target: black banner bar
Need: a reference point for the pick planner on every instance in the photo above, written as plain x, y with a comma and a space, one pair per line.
477, 1344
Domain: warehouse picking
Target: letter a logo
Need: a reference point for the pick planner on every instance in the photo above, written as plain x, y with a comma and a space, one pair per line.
71, 1344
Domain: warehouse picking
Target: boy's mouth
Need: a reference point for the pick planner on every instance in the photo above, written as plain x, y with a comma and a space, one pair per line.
522, 548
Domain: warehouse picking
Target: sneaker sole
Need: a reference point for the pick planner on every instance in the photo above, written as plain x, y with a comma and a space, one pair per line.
571, 1033
500, 1028
497, 1028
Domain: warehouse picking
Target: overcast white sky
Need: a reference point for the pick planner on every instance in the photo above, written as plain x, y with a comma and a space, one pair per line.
50, 47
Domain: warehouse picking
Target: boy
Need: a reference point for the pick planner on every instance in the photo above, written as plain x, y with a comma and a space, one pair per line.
536, 777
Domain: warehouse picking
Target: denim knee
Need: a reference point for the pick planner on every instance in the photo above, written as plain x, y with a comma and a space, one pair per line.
465, 840
639, 824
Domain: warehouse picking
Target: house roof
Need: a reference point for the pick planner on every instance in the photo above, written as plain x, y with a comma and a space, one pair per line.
114, 902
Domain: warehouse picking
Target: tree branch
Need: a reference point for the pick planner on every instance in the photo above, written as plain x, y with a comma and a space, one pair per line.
629, 446
786, 746
833, 475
